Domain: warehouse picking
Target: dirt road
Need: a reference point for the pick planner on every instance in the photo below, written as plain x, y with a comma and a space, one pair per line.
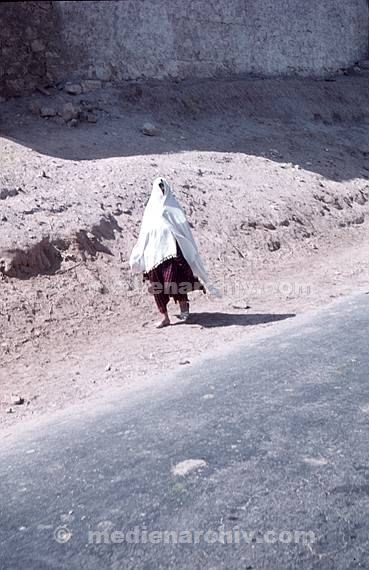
273, 177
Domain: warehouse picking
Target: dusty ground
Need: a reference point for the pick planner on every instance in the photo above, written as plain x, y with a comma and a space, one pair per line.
273, 176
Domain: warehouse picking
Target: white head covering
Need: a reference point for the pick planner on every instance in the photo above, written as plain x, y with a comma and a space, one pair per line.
164, 223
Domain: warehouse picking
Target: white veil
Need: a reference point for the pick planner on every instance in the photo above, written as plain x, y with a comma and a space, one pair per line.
164, 223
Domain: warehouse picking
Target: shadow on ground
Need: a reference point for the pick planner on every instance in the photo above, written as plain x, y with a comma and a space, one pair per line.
320, 126
212, 320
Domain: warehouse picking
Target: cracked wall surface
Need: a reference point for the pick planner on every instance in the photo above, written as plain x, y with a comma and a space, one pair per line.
43, 42
134, 39
27, 51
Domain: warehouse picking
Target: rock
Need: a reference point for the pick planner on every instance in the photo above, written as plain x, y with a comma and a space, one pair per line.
103, 73
182, 362
43, 90
73, 88
18, 401
37, 46
251, 224
188, 466
269, 226
108, 368
361, 198
9, 411
150, 130
58, 120
336, 204
47, 111
359, 220
35, 107
70, 111
316, 461
90, 107
8, 193
83, 115
134, 94
285, 223
208, 396
88, 115
90, 85
16, 85
274, 245
91, 118
73, 123
118, 211
297, 220
350, 71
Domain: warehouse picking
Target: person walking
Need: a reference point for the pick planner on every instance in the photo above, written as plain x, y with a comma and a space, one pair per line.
166, 253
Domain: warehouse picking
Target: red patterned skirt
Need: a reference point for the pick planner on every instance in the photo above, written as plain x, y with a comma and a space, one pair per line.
172, 278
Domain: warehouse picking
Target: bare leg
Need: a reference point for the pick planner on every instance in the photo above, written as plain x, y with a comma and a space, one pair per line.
184, 306
162, 300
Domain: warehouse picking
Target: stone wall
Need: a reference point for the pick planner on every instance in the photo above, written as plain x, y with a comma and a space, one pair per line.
27, 32
43, 42
139, 39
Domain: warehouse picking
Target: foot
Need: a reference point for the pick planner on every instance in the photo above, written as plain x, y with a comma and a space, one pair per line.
165, 322
185, 311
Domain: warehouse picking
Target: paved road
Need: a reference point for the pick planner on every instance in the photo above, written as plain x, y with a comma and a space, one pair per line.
282, 425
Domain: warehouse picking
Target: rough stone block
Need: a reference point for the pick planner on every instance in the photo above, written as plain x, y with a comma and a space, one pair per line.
70, 111
73, 88
37, 46
47, 111
90, 85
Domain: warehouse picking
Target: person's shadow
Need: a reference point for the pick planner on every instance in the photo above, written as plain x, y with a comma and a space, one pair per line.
210, 320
